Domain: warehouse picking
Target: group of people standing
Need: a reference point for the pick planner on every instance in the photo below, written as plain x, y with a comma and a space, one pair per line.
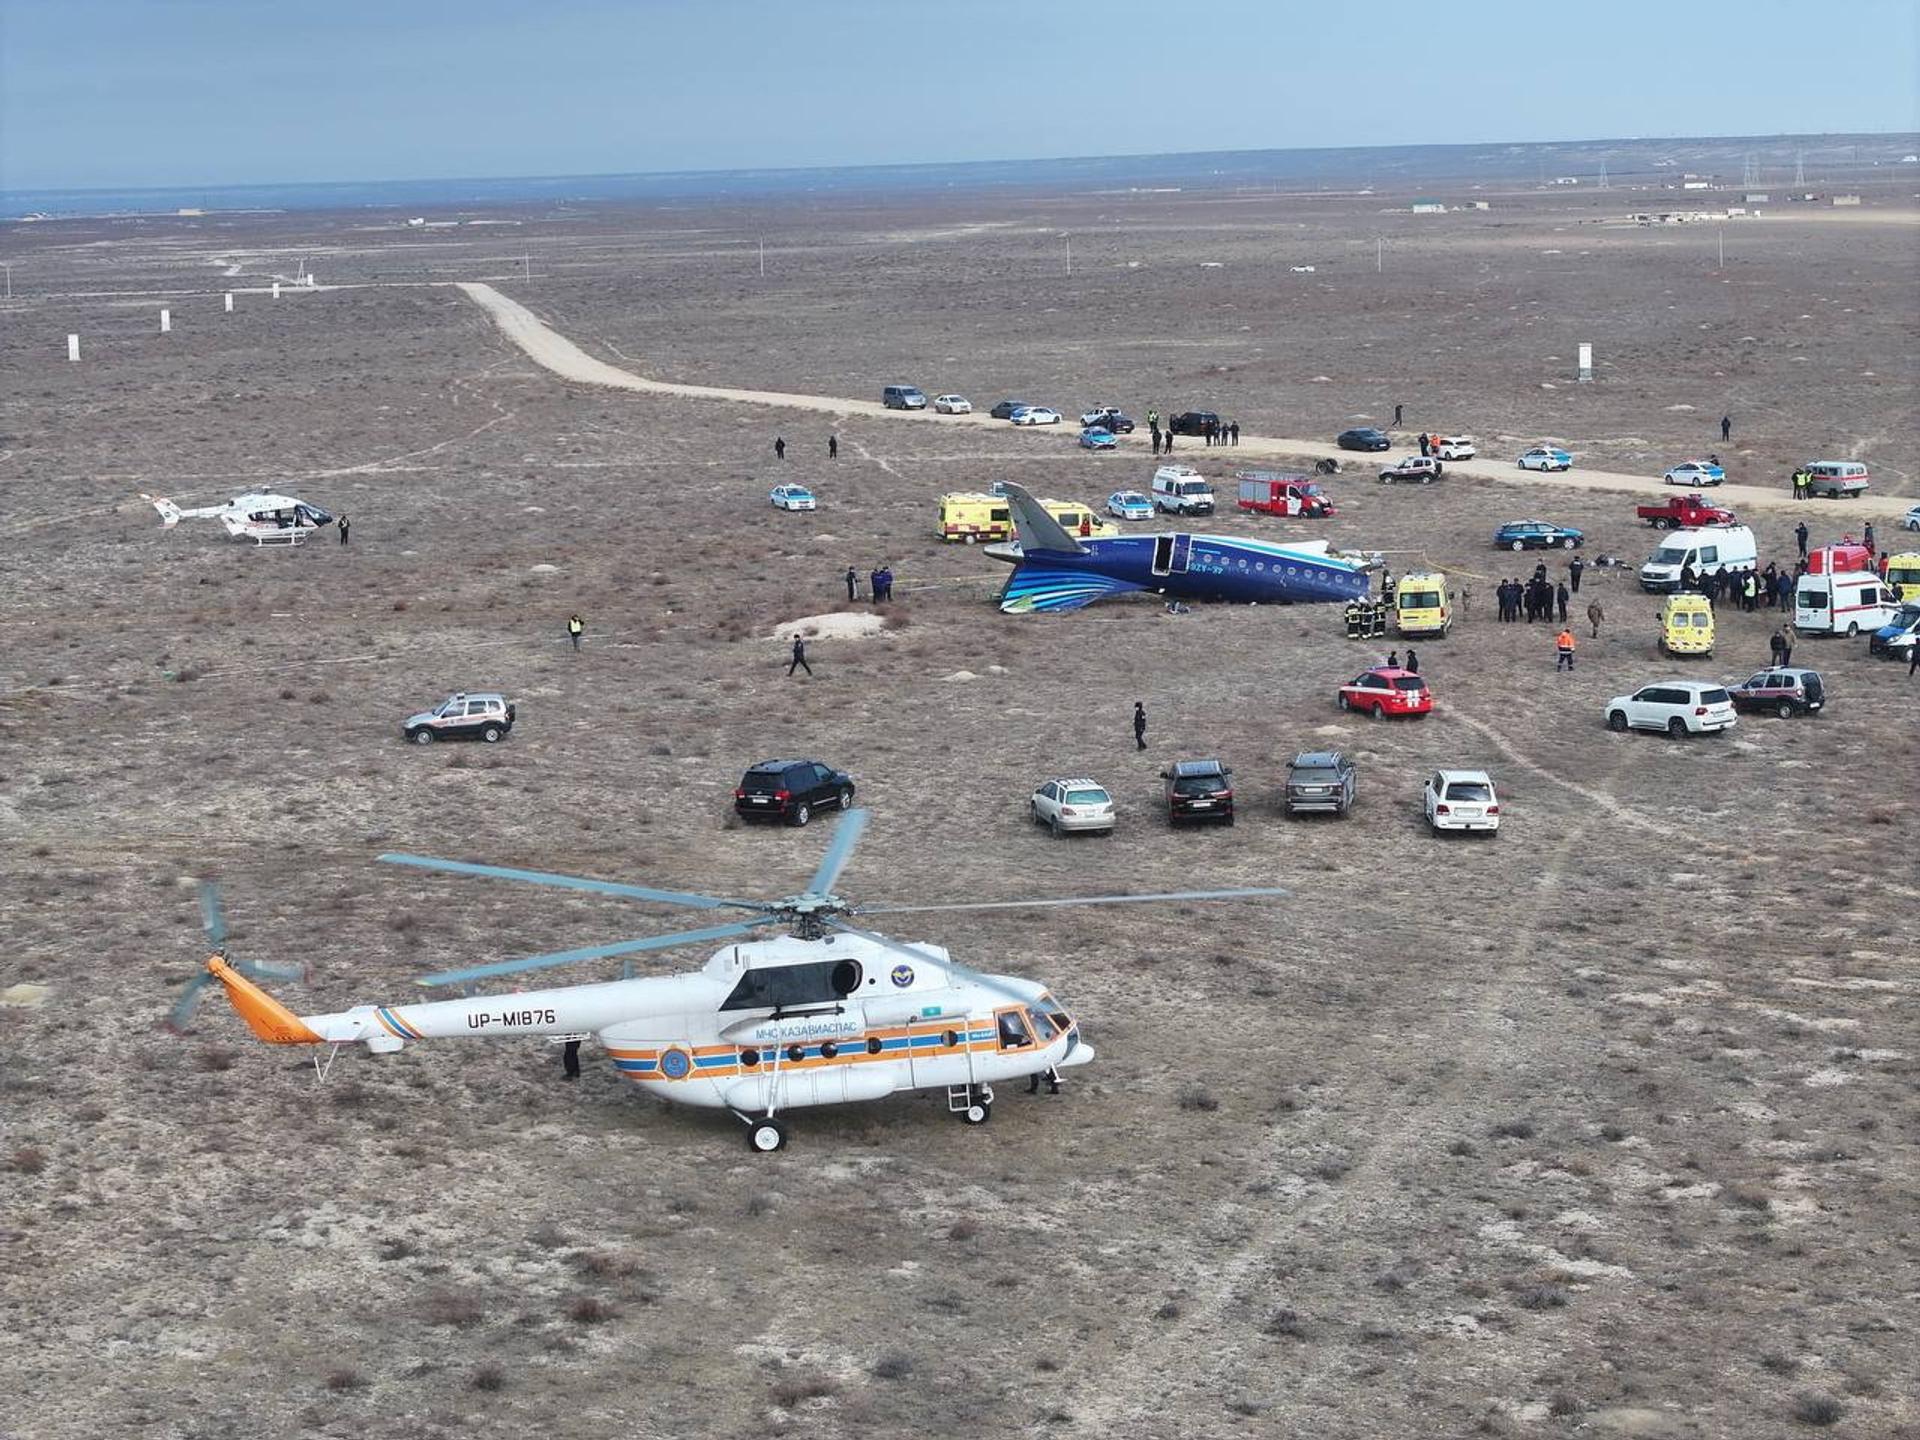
879, 584
1747, 589
1216, 433
1538, 598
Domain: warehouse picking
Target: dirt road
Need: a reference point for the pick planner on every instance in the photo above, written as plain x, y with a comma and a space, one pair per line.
555, 352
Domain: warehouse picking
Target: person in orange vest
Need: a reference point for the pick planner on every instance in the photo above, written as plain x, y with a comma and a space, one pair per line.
1563, 643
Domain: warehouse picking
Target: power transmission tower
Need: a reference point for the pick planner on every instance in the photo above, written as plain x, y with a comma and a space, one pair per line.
1750, 176
1603, 176
1800, 167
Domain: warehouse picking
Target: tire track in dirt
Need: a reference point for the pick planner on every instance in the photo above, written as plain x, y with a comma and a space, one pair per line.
1128, 1389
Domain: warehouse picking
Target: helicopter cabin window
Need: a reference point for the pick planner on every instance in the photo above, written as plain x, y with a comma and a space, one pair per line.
1013, 1030
780, 987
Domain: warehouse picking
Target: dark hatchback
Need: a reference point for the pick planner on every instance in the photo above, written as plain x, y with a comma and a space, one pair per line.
1365, 438
1004, 410
1199, 790
791, 790
1193, 422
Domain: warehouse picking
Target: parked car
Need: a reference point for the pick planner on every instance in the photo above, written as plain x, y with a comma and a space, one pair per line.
1071, 805
952, 405
1836, 479
1414, 470
1546, 457
1319, 780
1679, 707
1538, 535
1004, 410
1895, 639
1180, 490
791, 790
1911, 520
1785, 692
903, 397
1462, 800
1451, 447
1035, 415
1193, 422
1094, 438
1386, 690
1364, 437
1108, 417
1688, 512
1130, 505
483, 716
792, 497
1697, 473
1199, 790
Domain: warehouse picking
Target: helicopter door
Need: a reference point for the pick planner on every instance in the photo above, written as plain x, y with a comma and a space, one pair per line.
942, 1054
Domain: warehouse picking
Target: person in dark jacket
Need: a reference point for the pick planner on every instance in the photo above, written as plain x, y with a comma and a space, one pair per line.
779, 447
1575, 568
1139, 725
799, 660
1562, 595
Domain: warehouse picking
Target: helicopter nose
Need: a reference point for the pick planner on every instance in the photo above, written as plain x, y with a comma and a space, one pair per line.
1080, 1054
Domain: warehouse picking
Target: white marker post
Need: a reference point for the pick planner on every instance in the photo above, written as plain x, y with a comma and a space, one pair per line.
276, 289
73, 348
1586, 362
229, 302
166, 321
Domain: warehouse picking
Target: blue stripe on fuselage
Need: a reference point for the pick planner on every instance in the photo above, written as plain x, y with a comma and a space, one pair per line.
1218, 568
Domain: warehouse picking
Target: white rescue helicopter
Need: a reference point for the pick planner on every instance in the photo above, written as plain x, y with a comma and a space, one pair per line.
826, 1014
263, 519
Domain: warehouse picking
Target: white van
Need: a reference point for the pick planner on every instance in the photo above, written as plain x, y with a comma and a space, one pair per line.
1843, 604
1836, 479
1705, 550
1179, 490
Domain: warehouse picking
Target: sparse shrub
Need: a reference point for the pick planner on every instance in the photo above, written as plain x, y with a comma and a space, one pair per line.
1196, 1097
1612, 1133
489, 1377
589, 1310
893, 1366
1522, 1129
90, 1114
1775, 1363
214, 1059
1562, 1406
446, 1307
319, 697
1542, 1297
1461, 1147
1046, 1364
1285, 1324
759, 1203
965, 1228
401, 923
187, 673
792, 1390
29, 1160
1748, 1197
288, 695
1820, 1410
1331, 1170
1170, 1310
548, 1236
398, 1248
345, 1379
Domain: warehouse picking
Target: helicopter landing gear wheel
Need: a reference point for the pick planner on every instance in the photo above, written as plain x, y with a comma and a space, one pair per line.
978, 1113
766, 1135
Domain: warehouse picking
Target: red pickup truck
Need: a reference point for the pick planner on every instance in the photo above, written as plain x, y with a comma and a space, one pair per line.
1683, 512
1271, 492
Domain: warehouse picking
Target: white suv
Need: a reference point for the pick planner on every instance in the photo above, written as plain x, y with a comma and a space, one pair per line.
1462, 800
485, 717
1063, 805
1453, 447
1679, 707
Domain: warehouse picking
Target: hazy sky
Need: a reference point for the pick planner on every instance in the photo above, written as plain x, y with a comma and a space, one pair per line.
163, 92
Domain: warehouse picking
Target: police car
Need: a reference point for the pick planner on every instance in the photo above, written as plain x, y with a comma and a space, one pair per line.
1697, 473
1546, 457
486, 717
1130, 505
792, 497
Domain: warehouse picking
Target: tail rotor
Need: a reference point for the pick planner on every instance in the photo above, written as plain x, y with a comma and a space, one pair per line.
213, 921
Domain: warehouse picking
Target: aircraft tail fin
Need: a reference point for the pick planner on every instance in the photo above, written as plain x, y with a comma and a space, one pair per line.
169, 512
1037, 529
265, 1016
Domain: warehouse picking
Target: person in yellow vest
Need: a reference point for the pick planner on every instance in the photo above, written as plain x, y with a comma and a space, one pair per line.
575, 628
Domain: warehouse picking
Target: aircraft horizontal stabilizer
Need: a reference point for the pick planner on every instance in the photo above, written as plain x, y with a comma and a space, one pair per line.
1033, 588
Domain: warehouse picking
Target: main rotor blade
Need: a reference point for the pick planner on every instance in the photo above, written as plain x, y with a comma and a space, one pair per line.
1071, 900
926, 957
573, 882
595, 952
213, 916
846, 835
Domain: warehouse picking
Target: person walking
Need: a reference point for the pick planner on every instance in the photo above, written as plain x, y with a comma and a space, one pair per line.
833, 447
1139, 725
1235, 428
853, 583
1594, 616
1562, 595
575, 628
1166, 438
1576, 567
1425, 443
1800, 535
1726, 428
1413, 661
1563, 648
779, 447
1866, 539
799, 660
570, 1060
1155, 432
344, 523
1396, 413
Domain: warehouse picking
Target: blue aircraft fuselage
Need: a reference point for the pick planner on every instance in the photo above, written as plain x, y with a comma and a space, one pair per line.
1179, 566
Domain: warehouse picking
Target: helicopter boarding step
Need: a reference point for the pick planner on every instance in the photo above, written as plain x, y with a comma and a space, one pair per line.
281, 537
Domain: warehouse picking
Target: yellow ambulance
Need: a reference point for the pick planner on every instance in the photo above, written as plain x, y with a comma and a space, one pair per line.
1903, 576
1686, 625
974, 518
1420, 605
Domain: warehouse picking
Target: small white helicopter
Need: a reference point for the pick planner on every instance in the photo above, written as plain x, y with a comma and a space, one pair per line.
827, 1014
263, 519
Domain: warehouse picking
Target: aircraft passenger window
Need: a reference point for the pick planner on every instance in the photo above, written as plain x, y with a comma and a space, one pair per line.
1013, 1032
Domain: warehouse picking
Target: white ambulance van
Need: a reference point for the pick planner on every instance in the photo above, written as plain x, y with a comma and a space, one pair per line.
1843, 604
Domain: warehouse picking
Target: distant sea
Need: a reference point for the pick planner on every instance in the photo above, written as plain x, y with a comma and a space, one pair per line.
1827, 158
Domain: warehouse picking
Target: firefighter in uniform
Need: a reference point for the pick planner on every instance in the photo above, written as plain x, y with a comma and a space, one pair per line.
1354, 630
1379, 626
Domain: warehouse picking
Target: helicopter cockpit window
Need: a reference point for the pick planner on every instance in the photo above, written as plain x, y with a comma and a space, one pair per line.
1013, 1031
1043, 1025
820, 982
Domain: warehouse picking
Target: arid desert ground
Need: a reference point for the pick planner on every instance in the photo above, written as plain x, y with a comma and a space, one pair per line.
1605, 1126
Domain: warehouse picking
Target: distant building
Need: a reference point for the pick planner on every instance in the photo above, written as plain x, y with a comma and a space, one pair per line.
1428, 207
1481, 205
1754, 199
1696, 184
1846, 199
1566, 179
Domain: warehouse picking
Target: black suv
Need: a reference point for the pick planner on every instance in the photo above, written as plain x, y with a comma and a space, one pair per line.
1193, 422
1199, 790
1004, 410
1319, 780
791, 790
